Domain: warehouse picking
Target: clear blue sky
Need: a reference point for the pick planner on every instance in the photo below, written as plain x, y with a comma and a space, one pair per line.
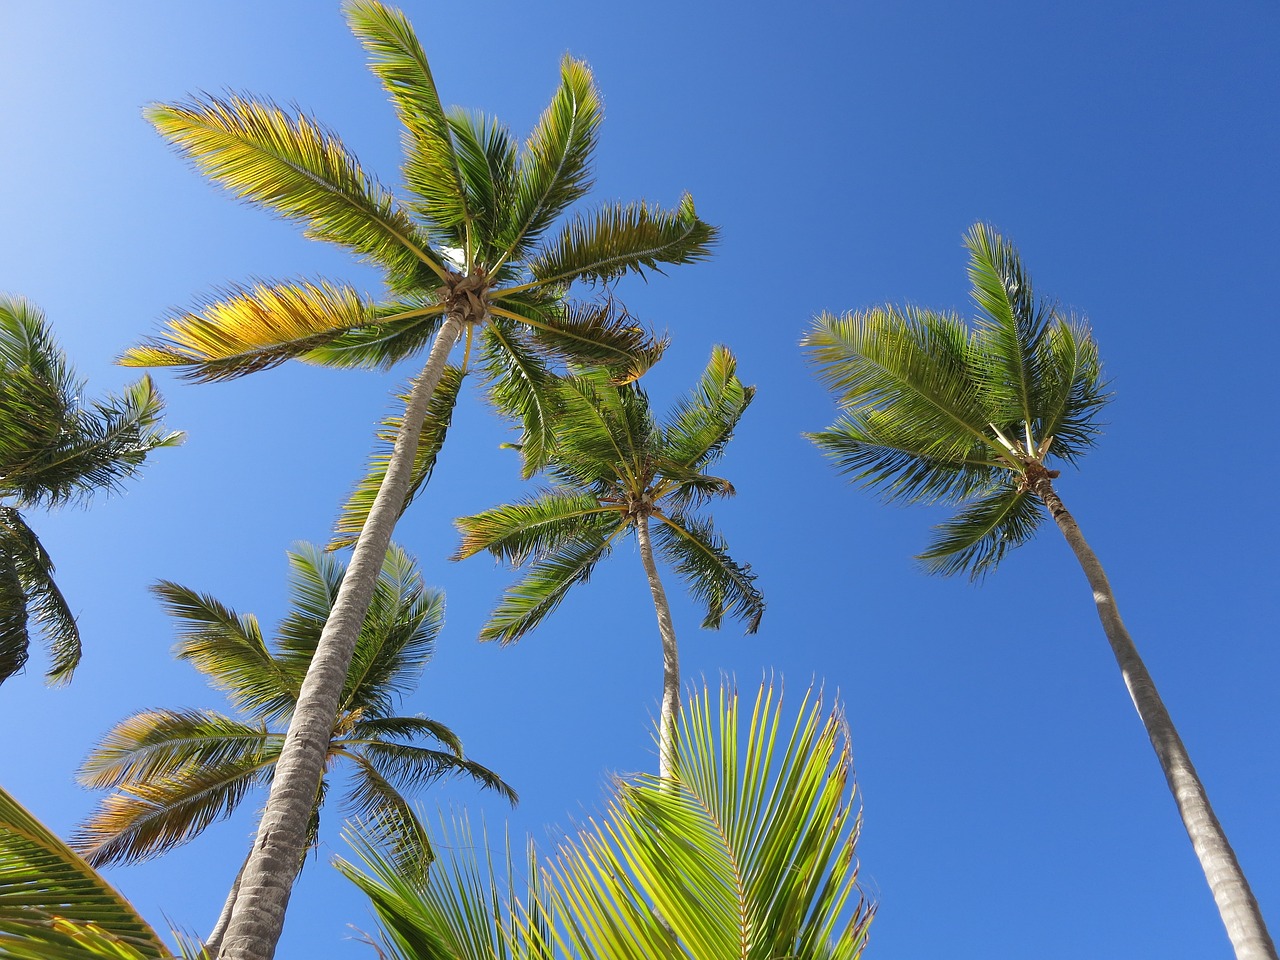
1013, 807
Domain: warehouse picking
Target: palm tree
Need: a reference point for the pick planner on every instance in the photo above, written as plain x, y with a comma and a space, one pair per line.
470, 254
617, 471
54, 906
747, 852
934, 410
174, 772
55, 448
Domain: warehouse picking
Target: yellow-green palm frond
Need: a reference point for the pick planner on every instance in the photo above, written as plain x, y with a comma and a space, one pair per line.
623, 238
600, 334
54, 906
555, 163
1072, 390
532, 527
486, 156
521, 386
702, 423
988, 527
355, 512
431, 169
253, 328
398, 329
295, 167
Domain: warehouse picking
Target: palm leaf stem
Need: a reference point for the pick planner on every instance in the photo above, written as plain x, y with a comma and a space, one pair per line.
670, 655
1236, 903
258, 916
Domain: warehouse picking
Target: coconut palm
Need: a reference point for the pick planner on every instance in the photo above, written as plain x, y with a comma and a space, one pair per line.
936, 410
481, 249
54, 906
55, 448
747, 852
616, 471
174, 772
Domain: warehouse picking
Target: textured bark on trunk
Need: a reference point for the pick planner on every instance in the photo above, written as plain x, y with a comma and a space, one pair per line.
258, 915
1236, 903
670, 656
214, 943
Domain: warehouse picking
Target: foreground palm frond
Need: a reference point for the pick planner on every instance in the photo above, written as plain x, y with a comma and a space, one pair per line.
747, 851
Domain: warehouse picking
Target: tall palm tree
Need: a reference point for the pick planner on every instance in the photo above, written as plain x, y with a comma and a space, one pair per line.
55, 448
471, 253
54, 906
617, 471
174, 772
936, 410
746, 852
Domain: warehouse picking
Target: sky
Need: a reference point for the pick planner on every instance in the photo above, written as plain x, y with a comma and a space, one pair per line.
1012, 804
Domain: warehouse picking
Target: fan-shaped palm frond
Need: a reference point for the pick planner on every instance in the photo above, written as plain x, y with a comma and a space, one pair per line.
54, 906
747, 851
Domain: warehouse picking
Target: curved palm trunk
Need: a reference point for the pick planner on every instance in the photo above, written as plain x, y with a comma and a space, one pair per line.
1236, 903
258, 915
214, 942
670, 656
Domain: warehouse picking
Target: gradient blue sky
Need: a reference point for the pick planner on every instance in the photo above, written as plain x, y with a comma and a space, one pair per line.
1013, 807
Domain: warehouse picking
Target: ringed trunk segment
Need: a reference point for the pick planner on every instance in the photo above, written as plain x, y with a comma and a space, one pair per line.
1236, 903
670, 655
266, 883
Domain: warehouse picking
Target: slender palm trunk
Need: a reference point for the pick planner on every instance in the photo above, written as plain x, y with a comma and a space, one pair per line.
670, 656
1236, 903
214, 942
258, 915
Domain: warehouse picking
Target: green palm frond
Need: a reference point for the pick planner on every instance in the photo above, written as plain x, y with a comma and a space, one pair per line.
909, 365
150, 818
624, 238
29, 594
1072, 391
53, 905
703, 422
521, 386
391, 729
602, 335
26, 342
701, 557
555, 163
547, 580
393, 824
355, 512
605, 432
253, 328
228, 648
397, 329
988, 527
534, 527
432, 170
746, 852
163, 744
487, 158
296, 168
411, 767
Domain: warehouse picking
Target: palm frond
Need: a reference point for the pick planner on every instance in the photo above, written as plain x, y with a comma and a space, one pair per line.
228, 648
487, 158
604, 335
533, 527
521, 386
296, 168
26, 342
912, 367
555, 163
700, 556
54, 905
145, 819
398, 329
355, 512
1072, 391
605, 433
163, 744
703, 422
623, 238
253, 328
393, 729
390, 820
412, 767
545, 583
977, 539
432, 170
30, 595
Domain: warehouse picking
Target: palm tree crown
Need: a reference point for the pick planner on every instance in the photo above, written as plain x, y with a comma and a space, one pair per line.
55, 448
934, 409
615, 470
174, 772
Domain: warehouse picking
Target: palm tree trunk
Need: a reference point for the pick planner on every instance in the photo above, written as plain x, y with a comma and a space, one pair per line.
214, 942
1236, 903
258, 915
670, 656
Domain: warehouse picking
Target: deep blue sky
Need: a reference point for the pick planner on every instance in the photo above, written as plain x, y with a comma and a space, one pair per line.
1013, 807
